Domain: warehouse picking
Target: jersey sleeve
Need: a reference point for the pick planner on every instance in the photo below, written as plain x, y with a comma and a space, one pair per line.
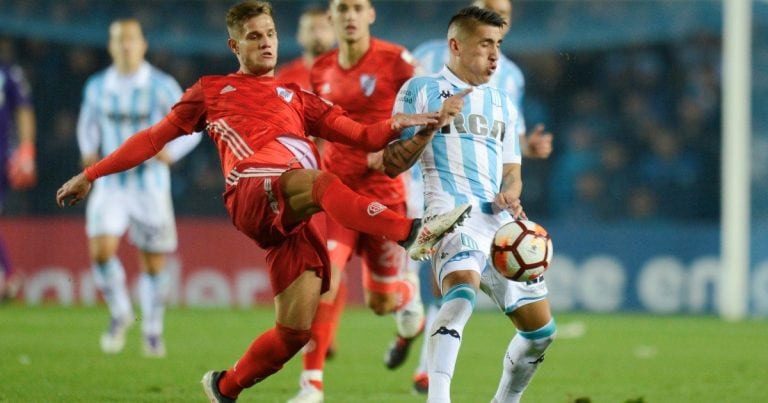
331, 123
410, 99
511, 153
170, 93
88, 131
189, 113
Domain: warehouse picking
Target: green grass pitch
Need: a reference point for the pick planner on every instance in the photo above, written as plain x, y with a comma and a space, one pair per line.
51, 354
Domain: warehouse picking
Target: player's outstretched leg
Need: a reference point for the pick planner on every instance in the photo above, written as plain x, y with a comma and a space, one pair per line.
364, 214
429, 230
523, 356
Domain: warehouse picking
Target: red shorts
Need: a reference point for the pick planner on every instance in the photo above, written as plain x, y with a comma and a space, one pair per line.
256, 206
382, 257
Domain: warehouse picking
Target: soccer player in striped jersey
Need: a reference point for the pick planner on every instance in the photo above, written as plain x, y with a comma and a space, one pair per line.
273, 188
315, 36
432, 56
477, 160
130, 95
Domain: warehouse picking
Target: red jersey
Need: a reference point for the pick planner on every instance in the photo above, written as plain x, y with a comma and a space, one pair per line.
295, 71
252, 120
367, 92
245, 115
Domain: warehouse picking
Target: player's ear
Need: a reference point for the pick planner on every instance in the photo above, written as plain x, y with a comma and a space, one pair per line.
372, 16
453, 45
232, 44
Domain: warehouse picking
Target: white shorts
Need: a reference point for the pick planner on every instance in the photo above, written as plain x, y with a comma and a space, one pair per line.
468, 248
148, 214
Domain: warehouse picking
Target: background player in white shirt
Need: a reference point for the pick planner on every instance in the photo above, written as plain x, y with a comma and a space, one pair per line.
128, 96
475, 159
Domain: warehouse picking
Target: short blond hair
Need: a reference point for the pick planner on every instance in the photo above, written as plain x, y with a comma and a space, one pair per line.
242, 12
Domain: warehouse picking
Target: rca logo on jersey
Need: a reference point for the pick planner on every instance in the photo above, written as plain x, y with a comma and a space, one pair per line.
227, 89
285, 93
375, 208
368, 84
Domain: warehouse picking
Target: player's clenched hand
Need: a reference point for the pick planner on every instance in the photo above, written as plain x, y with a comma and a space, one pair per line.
75, 189
401, 121
451, 107
22, 173
504, 201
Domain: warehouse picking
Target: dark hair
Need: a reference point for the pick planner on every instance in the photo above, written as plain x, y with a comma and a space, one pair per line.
469, 17
242, 12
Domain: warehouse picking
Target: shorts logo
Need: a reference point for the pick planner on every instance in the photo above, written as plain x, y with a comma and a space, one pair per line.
375, 208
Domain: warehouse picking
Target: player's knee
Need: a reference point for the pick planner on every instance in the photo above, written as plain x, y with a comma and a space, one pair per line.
541, 338
321, 181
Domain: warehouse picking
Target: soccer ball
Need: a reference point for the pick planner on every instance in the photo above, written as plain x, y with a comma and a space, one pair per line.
521, 250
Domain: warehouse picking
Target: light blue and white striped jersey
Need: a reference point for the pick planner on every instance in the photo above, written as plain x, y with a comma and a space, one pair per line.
433, 55
463, 162
115, 107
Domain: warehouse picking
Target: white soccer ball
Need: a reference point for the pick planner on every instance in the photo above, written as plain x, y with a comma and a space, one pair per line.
521, 250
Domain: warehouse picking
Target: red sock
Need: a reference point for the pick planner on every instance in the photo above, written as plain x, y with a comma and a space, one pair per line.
358, 212
265, 356
314, 359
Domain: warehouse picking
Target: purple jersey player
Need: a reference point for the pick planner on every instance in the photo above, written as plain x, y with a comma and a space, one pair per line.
16, 117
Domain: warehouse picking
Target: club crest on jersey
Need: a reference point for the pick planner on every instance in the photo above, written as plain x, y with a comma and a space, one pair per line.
368, 84
285, 93
375, 208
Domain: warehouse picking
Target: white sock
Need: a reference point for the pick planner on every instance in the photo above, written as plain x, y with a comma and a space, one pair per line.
445, 340
110, 280
153, 290
524, 354
429, 320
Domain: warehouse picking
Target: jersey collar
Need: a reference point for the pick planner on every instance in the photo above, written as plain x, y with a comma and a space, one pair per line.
456, 81
113, 81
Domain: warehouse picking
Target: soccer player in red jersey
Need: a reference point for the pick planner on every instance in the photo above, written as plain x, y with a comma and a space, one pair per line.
272, 185
363, 76
315, 36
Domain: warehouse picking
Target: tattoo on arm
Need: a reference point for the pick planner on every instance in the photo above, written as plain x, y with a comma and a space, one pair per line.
402, 154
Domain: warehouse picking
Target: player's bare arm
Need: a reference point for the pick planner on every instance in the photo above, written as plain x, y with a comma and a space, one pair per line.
400, 155
73, 190
511, 188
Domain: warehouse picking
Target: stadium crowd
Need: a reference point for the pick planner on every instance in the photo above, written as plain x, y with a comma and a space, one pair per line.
636, 124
